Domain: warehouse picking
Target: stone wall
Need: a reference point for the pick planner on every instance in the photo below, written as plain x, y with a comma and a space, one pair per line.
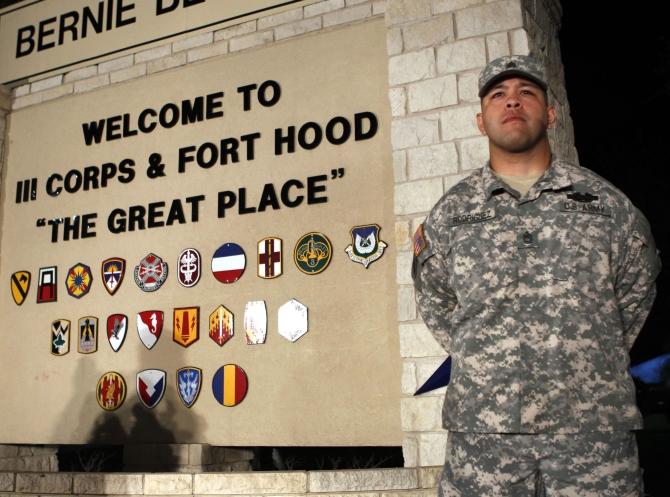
28, 458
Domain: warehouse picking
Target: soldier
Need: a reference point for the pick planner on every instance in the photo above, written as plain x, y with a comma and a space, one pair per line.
536, 275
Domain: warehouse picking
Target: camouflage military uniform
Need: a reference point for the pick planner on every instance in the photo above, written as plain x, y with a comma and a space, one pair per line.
538, 300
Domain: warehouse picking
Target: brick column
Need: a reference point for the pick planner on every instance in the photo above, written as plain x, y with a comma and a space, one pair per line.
436, 50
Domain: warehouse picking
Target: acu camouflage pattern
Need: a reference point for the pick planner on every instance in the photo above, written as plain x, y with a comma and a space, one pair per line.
538, 300
524, 66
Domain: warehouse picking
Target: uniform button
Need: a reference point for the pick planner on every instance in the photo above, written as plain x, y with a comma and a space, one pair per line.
527, 238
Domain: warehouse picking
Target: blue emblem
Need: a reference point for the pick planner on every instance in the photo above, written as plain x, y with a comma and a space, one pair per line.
189, 380
366, 247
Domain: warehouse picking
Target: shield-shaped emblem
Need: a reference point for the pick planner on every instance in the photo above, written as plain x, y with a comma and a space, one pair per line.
228, 263
113, 270
46, 285
117, 326
221, 325
188, 267
20, 284
312, 253
292, 320
60, 337
149, 327
255, 322
151, 387
88, 335
269, 258
111, 391
78, 280
189, 380
151, 273
230, 385
186, 322
366, 247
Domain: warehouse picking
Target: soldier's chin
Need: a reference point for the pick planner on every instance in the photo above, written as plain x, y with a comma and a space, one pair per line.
521, 144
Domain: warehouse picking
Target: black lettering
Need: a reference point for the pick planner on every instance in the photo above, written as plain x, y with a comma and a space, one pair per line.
194, 202
203, 161
226, 200
289, 140
185, 156
249, 142
268, 197
242, 205
51, 190
54, 229
43, 32
65, 26
71, 187
192, 110
89, 18
126, 126
116, 222
263, 98
25, 36
162, 9
113, 128
285, 190
302, 135
71, 228
136, 215
229, 147
213, 104
189, 3
313, 188
88, 225
246, 96
172, 109
108, 171
142, 124
121, 8
93, 131
91, 178
155, 211
176, 213
359, 126
126, 170
330, 130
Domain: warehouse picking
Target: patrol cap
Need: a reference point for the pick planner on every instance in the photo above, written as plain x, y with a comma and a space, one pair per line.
523, 66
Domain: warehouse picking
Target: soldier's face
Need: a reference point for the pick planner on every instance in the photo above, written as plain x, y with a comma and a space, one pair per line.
515, 115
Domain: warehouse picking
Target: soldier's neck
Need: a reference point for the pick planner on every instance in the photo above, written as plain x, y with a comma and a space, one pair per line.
528, 163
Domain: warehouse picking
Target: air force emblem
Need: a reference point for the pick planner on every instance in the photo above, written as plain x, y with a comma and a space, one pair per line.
78, 280
186, 325
149, 327
117, 326
188, 268
189, 381
20, 284
113, 270
111, 391
151, 273
150, 387
366, 247
60, 337
88, 335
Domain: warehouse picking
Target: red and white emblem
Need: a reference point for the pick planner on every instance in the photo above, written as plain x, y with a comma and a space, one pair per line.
151, 273
117, 325
221, 328
149, 327
150, 387
269, 258
188, 267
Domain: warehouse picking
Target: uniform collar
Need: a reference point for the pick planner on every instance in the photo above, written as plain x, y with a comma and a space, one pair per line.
556, 177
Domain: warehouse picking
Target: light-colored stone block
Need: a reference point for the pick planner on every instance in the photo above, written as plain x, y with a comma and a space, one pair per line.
453, 179
421, 414
408, 378
354, 2
411, 493
131, 72
459, 122
44, 84
429, 476
57, 92
105, 484
417, 341
428, 33
440, 6
393, 41
192, 42
518, 42
153, 53
378, 7
403, 264
400, 11
468, 87
176, 60
432, 447
406, 304
82, 73
461, 55
251, 40
414, 131
168, 484
474, 153
116, 64
6, 482
20, 91
236, 30
433, 93
488, 18
412, 66
43, 483
362, 480
320, 8
218, 48
297, 28
415, 197
497, 45
255, 483
398, 101
399, 166
402, 235
410, 451
91, 83
435, 160
9, 451
281, 18
26, 101
350, 14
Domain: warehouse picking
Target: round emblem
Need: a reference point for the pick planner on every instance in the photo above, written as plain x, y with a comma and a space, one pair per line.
111, 391
151, 273
78, 280
228, 263
230, 385
188, 266
312, 253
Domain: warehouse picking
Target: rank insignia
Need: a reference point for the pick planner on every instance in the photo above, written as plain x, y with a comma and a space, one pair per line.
188, 267
60, 337
46, 285
20, 284
221, 325
186, 322
269, 258
228, 263
255, 322
189, 380
78, 280
151, 387
312, 253
366, 247
88, 335
113, 270
230, 385
419, 241
292, 320
111, 391
584, 197
117, 326
151, 273
149, 327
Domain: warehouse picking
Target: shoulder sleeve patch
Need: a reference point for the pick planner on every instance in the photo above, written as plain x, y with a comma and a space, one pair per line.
419, 241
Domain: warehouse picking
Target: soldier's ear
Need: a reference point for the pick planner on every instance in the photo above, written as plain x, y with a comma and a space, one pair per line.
551, 116
480, 123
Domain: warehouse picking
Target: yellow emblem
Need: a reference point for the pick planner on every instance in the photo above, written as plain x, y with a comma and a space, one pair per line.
186, 325
20, 283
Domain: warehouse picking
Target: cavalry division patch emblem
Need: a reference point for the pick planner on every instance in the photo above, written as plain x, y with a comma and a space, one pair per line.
117, 326
292, 320
60, 337
151, 273
186, 322
230, 385
88, 335
111, 391
269, 258
228, 263
113, 271
188, 267
189, 381
255, 322
78, 280
366, 247
151, 387
149, 327
20, 284
46, 285
312, 253
221, 325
